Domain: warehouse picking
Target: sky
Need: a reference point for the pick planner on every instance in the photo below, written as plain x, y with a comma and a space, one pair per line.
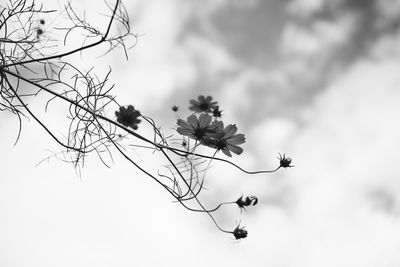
315, 79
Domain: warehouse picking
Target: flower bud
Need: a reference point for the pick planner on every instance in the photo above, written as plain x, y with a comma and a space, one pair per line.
284, 161
239, 233
243, 203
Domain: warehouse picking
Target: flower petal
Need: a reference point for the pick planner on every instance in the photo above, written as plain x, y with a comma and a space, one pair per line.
226, 152
236, 139
183, 124
217, 127
184, 131
193, 121
207, 141
194, 102
204, 120
235, 149
230, 130
216, 130
195, 106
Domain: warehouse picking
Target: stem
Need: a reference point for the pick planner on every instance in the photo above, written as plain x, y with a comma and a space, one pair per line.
80, 49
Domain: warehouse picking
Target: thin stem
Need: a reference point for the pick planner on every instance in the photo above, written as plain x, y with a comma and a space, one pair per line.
80, 49
39, 121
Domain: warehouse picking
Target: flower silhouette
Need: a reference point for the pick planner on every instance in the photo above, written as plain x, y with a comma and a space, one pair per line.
216, 112
128, 116
199, 128
248, 201
239, 233
204, 104
284, 161
227, 141
175, 108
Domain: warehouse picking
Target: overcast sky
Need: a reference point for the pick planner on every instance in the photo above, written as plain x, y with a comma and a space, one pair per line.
316, 79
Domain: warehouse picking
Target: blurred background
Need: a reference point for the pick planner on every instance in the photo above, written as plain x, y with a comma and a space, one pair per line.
315, 79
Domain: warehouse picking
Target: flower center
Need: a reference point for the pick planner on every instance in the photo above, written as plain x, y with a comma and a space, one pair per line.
204, 106
220, 144
199, 133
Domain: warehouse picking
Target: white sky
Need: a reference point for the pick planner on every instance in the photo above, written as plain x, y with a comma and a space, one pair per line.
321, 84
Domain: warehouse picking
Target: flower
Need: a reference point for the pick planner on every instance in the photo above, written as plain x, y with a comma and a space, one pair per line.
284, 162
128, 117
243, 203
216, 112
203, 104
239, 233
227, 141
199, 128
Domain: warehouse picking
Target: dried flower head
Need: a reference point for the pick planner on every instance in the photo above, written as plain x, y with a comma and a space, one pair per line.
239, 233
204, 104
216, 112
175, 108
128, 116
227, 141
243, 203
284, 162
199, 128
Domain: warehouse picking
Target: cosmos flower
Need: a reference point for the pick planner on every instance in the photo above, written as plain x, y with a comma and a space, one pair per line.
128, 117
204, 104
199, 128
227, 141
